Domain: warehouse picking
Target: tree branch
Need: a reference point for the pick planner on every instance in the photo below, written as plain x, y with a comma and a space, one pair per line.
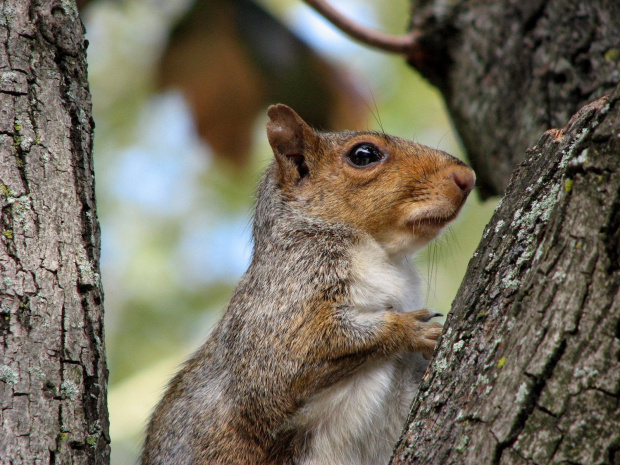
395, 44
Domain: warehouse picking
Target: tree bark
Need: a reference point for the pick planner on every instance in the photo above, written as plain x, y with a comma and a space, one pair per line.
52, 363
528, 368
509, 70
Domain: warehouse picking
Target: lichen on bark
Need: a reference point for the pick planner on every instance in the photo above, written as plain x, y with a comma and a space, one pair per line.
528, 368
53, 375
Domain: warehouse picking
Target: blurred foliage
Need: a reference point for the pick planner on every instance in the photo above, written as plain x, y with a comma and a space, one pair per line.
175, 214
230, 58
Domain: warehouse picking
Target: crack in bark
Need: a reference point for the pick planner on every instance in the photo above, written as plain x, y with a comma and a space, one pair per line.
533, 395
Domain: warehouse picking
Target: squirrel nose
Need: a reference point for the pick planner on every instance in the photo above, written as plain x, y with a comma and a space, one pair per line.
464, 178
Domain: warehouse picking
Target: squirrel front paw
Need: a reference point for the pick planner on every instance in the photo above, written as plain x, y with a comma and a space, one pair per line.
424, 333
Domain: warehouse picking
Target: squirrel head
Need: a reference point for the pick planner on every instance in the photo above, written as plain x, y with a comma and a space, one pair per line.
400, 192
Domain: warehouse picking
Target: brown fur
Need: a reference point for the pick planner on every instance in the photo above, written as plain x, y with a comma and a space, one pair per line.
293, 328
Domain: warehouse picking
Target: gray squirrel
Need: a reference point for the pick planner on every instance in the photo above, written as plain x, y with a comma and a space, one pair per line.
322, 346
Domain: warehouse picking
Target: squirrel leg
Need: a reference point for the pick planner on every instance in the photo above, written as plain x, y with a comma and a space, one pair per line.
340, 342
423, 334
382, 334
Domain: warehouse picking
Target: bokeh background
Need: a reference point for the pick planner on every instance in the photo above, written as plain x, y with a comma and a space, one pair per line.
180, 89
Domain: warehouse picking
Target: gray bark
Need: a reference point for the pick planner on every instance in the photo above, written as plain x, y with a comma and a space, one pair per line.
509, 70
52, 363
528, 368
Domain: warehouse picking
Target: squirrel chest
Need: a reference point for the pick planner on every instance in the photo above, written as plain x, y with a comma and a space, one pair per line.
345, 420
321, 348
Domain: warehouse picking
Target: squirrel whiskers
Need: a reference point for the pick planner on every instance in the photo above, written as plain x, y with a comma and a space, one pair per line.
322, 346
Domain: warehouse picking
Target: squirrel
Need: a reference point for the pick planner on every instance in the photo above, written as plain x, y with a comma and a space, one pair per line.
320, 350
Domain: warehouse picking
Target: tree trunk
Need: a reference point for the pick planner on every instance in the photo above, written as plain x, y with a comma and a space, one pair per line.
509, 70
528, 368
52, 363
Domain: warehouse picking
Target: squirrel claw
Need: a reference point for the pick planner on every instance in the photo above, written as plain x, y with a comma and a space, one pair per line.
425, 333
425, 315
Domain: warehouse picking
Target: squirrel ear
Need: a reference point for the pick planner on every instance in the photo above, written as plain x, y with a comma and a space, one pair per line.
291, 140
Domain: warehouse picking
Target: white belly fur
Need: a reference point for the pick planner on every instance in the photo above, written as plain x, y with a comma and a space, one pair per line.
358, 421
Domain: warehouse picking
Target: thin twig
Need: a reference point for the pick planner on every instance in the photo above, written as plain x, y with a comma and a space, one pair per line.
395, 44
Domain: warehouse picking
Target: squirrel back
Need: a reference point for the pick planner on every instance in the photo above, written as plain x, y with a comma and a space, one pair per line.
320, 349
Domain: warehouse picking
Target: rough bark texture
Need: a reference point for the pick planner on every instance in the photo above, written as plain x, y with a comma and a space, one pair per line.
52, 365
528, 368
509, 70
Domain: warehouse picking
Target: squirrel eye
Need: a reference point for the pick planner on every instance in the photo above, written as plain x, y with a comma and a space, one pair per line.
364, 155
